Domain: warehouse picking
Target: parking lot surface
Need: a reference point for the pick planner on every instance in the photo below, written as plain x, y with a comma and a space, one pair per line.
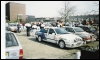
34, 49
43, 50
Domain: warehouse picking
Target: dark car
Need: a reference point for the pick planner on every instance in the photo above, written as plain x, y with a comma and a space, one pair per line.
87, 37
90, 29
97, 34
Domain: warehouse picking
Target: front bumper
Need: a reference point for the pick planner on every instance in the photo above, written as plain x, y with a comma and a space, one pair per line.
90, 40
74, 45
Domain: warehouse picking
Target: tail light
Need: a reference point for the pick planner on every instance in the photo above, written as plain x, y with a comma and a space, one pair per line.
21, 54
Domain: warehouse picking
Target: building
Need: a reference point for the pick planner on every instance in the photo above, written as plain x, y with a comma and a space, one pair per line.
84, 17
30, 18
44, 19
15, 11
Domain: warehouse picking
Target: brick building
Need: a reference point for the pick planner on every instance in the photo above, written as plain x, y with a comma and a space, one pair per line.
15, 11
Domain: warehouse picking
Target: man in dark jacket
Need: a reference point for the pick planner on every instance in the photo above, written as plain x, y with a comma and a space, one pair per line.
28, 26
18, 27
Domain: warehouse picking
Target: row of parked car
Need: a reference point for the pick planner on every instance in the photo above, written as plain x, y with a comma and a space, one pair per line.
13, 27
70, 37
13, 48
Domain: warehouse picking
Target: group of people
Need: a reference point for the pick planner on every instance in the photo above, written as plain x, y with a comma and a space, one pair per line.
20, 26
32, 27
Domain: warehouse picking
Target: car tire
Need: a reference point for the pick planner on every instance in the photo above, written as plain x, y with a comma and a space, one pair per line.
36, 38
61, 44
39, 38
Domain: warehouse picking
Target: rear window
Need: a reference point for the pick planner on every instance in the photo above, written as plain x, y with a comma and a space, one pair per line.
11, 40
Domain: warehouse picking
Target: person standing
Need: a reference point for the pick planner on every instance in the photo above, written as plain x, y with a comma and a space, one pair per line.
23, 26
28, 26
18, 27
72, 24
34, 28
43, 31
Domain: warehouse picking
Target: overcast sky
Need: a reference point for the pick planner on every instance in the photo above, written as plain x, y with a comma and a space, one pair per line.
51, 8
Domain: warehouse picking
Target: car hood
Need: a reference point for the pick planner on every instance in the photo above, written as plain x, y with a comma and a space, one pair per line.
13, 27
83, 34
69, 36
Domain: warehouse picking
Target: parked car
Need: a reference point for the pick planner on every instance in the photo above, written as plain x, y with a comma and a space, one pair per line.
14, 49
13, 27
88, 37
97, 34
47, 25
60, 37
88, 29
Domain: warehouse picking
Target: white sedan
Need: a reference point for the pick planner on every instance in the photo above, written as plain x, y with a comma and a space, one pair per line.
60, 37
14, 49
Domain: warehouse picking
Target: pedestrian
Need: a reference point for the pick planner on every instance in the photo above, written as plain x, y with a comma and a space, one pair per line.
23, 24
18, 27
38, 27
72, 24
43, 31
41, 25
34, 28
28, 26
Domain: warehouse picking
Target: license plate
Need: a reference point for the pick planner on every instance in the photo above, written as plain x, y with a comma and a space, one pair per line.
7, 54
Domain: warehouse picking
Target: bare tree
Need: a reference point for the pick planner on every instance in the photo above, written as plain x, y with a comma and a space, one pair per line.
96, 4
67, 10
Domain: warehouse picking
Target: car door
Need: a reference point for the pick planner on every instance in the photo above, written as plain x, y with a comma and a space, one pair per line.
51, 35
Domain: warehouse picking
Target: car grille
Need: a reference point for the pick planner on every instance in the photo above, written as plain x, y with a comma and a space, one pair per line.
77, 39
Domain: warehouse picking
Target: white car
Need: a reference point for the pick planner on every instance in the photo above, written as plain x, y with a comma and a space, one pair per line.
13, 27
60, 37
14, 49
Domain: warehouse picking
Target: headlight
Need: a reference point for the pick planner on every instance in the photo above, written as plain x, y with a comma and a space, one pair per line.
77, 39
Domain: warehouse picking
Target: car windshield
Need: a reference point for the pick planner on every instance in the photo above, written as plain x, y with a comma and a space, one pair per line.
13, 25
61, 31
11, 40
77, 29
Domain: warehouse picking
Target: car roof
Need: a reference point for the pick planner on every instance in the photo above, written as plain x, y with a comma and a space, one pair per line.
72, 27
12, 23
53, 27
85, 26
8, 31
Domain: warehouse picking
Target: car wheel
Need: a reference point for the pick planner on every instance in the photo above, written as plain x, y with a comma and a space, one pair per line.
39, 38
61, 44
36, 38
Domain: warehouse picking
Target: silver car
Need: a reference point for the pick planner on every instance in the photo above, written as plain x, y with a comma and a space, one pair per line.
13, 47
83, 34
13, 27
